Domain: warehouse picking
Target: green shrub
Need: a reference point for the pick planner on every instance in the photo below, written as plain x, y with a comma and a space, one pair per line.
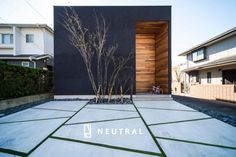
16, 81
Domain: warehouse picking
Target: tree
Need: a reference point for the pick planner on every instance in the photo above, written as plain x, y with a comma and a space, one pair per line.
92, 45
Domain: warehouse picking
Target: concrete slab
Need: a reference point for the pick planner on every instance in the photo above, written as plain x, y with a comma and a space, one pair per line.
140, 141
24, 136
173, 105
63, 105
209, 131
152, 116
33, 114
88, 115
60, 148
113, 107
7, 155
183, 149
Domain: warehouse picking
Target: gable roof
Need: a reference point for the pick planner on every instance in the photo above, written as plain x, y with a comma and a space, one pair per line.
211, 41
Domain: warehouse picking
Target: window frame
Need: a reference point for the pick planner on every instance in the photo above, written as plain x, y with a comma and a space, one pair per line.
209, 77
29, 38
23, 62
11, 38
196, 55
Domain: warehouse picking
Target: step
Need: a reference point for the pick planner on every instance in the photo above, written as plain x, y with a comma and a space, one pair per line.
152, 97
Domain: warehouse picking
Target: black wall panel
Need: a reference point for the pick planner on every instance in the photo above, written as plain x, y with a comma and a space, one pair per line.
69, 70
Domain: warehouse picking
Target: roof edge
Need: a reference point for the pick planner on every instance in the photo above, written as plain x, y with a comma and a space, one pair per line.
31, 25
211, 41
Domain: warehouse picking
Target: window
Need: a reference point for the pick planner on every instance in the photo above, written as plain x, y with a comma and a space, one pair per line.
29, 38
7, 38
25, 64
209, 77
198, 55
229, 76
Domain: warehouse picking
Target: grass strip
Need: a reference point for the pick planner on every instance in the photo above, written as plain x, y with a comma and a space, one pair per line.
107, 146
52, 109
149, 130
194, 142
109, 109
156, 108
32, 120
55, 130
108, 120
13, 152
180, 121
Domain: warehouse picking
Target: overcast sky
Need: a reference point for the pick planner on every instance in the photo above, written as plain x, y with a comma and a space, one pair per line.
193, 21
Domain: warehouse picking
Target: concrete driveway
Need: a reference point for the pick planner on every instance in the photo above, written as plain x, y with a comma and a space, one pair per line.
145, 128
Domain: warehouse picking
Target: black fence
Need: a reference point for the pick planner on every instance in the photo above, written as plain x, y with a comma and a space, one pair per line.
16, 81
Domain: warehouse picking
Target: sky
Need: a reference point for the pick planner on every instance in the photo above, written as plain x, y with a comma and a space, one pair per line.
193, 21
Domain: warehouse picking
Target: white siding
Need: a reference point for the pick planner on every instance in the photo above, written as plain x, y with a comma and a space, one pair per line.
222, 49
17, 39
216, 74
6, 49
37, 47
48, 43
43, 41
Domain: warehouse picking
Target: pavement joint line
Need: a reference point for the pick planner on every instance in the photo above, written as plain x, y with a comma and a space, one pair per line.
194, 142
149, 130
107, 146
55, 130
32, 120
166, 109
181, 121
13, 152
39, 108
109, 109
108, 120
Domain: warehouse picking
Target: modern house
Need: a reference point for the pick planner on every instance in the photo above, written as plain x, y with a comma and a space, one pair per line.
146, 30
210, 69
28, 45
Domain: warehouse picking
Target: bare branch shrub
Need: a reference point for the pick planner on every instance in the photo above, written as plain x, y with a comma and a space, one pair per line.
92, 45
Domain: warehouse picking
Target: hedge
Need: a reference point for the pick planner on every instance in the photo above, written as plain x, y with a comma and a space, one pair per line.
17, 81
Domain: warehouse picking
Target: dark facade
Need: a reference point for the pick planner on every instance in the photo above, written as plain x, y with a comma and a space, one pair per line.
70, 74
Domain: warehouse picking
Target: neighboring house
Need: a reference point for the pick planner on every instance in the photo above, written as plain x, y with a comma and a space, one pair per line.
28, 45
146, 30
177, 79
212, 64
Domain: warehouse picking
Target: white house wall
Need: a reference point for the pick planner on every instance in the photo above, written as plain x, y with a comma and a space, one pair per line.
17, 40
6, 49
48, 42
37, 47
216, 74
222, 49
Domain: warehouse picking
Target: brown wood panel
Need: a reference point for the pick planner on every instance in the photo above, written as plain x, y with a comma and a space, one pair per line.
151, 55
162, 59
145, 62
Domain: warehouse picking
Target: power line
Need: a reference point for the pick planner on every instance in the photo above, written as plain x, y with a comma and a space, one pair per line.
32, 7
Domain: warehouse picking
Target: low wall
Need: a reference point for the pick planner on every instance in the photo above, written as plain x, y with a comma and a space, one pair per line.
214, 92
10, 103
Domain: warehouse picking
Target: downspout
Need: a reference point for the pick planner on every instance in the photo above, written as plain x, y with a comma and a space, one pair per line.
31, 59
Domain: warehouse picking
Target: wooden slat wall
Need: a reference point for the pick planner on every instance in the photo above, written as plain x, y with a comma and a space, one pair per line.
162, 59
145, 62
151, 55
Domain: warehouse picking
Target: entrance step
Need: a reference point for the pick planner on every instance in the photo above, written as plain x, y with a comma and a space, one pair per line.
152, 97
